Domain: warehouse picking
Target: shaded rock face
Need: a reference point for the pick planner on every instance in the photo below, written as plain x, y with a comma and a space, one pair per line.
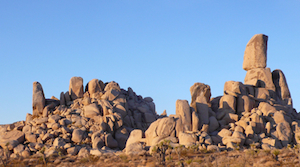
256, 52
281, 87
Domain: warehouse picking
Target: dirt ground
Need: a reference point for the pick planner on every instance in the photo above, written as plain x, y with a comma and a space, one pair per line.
236, 158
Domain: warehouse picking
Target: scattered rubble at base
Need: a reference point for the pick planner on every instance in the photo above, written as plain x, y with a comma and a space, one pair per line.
102, 118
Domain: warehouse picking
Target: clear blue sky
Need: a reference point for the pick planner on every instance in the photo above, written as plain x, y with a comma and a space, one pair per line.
158, 48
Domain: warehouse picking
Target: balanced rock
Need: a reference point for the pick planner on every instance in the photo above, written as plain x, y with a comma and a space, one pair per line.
255, 55
38, 99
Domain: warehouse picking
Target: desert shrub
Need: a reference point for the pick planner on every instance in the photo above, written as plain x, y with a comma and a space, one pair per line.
189, 161
43, 157
275, 154
193, 148
124, 158
159, 151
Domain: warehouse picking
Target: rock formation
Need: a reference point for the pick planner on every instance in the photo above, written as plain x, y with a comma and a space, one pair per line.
104, 117
257, 112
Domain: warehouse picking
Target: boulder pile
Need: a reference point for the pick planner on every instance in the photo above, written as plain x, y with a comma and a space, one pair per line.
257, 113
82, 121
102, 117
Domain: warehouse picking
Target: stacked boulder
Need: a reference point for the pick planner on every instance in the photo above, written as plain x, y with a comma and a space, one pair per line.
82, 121
258, 112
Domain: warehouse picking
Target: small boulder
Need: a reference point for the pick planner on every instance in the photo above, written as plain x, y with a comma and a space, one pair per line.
187, 139
134, 148
77, 135
72, 150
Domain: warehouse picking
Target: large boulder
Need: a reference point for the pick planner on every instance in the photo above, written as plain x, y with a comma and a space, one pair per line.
110, 141
134, 148
91, 110
228, 103
162, 127
76, 88
134, 137
266, 108
121, 136
38, 99
260, 77
234, 88
200, 89
78, 135
11, 139
201, 107
255, 55
187, 139
183, 109
284, 133
244, 104
94, 87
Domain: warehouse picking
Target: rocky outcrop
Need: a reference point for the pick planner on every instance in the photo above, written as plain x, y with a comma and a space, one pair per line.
103, 117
